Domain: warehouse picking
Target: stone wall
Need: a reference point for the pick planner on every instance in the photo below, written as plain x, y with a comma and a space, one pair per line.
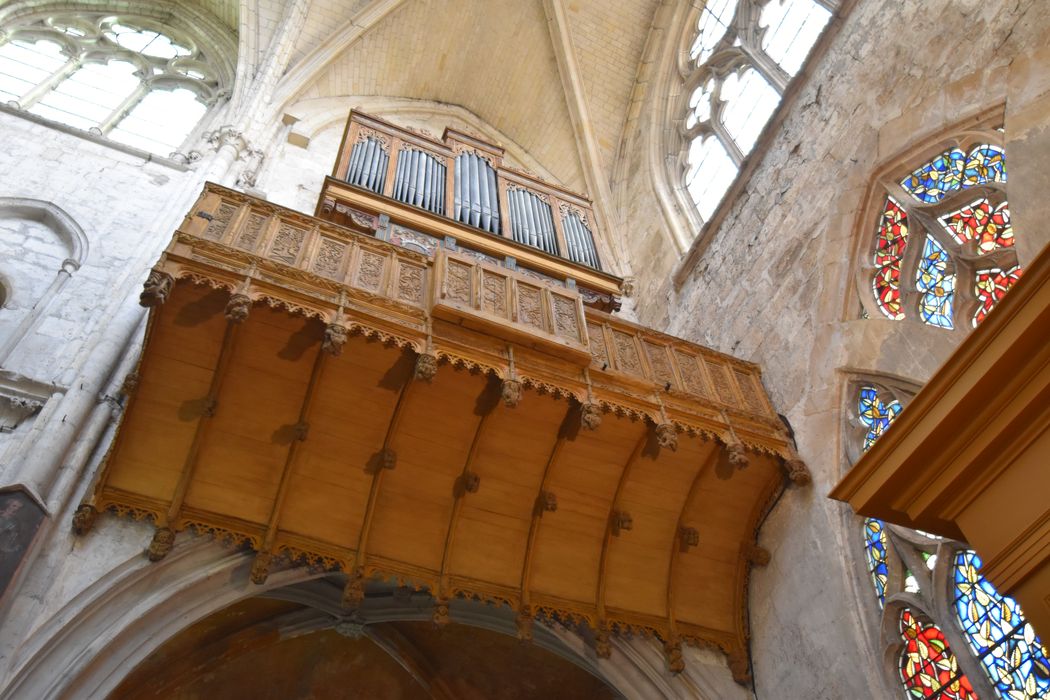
772, 287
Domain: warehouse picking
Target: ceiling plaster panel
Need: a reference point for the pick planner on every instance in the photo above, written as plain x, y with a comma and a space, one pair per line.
494, 58
608, 38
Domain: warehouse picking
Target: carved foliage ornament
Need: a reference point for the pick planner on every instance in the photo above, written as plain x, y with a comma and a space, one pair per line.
511, 392
162, 543
590, 415
84, 519
426, 366
667, 436
335, 336
238, 307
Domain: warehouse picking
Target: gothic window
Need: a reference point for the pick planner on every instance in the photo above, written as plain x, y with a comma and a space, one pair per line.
125, 78
942, 247
745, 54
953, 635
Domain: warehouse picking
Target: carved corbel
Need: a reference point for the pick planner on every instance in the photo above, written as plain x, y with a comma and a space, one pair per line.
667, 436
335, 336
602, 646
354, 591
673, 652
156, 288
511, 392
468, 482
440, 615
687, 537
739, 666
238, 307
797, 471
131, 382
261, 568
426, 366
621, 522
84, 518
735, 451
523, 623
162, 543
546, 502
386, 458
756, 556
590, 415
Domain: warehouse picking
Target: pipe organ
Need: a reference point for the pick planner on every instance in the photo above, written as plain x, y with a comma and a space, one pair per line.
477, 196
420, 180
368, 165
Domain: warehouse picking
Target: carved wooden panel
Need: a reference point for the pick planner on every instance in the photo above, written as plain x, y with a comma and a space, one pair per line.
330, 258
752, 400
692, 374
252, 231
220, 221
458, 281
370, 268
719, 374
287, 244
627, 357
494, 294
530, 306
411, 283
660, 362
566, 322
599, 352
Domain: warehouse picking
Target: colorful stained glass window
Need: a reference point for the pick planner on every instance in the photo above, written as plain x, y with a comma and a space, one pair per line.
936, 286
890, 242
980, 221
990, 287
954, 170
996, 630
928, 667
875, 413
935, 179
875, 546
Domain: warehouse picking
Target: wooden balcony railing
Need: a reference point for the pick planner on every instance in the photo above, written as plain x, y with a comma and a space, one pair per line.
461, 185
426, 296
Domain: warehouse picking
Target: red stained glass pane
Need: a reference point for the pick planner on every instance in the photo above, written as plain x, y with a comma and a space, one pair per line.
991, 286
891, 240
979, 221
928, 666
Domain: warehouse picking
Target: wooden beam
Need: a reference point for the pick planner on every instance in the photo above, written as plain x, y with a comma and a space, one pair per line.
611, 524
164, 537
676, 546
569, 426
379, 468
489, 399
261, 566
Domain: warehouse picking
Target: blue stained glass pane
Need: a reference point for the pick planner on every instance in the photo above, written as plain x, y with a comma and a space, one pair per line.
934, 180
1012, 654
936, 285
984, 164
875, 413
875, 549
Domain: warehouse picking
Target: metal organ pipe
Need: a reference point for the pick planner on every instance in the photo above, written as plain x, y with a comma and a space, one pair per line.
579, 240
368, 163
420, 180
477, 196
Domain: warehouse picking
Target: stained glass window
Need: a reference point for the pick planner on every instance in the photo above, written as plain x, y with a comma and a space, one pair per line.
935, 284
984, 164
744, 54
891, 241
131, 83
990, 287
1006, 644
980, 221
928, 667
875, 545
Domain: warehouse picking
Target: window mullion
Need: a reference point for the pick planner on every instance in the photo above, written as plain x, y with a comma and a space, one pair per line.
50, 83
124, 108
770, 69
726, 140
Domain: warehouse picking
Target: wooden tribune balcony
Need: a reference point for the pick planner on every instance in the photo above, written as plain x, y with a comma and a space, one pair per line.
332, 399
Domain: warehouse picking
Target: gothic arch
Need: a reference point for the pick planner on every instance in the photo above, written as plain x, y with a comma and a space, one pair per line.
52, 216
134, 606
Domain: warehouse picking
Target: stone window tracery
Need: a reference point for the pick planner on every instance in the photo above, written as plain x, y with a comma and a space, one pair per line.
942, 244
949, 633
742, 58
124, 77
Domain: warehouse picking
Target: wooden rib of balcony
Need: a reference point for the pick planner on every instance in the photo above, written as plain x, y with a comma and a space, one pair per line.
472, 429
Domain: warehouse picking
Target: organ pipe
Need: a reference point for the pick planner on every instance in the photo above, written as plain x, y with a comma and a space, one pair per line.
476, 195
419, 180
368, 163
